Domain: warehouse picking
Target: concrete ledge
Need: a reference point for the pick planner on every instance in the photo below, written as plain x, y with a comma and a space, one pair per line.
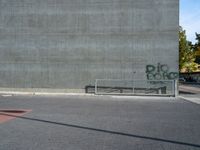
41, 91
72, 92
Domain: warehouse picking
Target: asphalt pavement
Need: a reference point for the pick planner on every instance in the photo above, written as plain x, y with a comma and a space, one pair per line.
99, 123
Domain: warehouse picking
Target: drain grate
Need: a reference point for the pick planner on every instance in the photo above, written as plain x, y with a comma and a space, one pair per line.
8, 114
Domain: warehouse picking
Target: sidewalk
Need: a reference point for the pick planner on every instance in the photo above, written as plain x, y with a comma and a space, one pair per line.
193, 98
190, 92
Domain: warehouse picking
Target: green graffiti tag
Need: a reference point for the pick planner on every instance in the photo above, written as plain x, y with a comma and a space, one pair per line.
160, 72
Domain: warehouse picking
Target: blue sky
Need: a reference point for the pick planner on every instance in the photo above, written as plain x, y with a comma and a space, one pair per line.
190, 17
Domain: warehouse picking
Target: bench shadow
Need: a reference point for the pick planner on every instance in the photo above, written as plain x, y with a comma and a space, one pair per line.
107, 131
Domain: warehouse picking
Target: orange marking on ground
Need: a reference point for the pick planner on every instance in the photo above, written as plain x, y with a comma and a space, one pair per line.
9, 114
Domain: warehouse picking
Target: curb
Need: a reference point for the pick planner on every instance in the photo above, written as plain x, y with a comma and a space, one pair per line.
11, 93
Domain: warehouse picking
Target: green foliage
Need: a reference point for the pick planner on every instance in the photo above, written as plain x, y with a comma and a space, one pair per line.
186, 54
198, 39
197, 48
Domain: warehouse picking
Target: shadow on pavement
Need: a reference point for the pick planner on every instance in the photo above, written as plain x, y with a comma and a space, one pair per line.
108, 131
184, 92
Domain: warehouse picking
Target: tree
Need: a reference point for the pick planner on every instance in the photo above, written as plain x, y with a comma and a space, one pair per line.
197, 48
186, 54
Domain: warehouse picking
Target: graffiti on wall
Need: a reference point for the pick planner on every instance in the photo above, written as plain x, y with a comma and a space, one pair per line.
160, 72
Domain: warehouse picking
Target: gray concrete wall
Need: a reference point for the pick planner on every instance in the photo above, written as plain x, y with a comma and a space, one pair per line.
70, 43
